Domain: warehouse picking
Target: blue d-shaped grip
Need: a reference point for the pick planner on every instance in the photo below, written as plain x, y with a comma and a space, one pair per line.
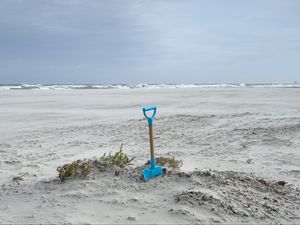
150, 119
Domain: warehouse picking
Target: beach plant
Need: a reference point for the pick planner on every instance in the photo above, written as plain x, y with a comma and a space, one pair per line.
119, 159
169, 162
78, 168
85, 168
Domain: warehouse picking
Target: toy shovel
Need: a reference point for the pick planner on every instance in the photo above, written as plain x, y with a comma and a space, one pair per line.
152, 170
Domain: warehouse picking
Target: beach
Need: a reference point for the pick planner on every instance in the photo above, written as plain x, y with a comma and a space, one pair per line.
241, 137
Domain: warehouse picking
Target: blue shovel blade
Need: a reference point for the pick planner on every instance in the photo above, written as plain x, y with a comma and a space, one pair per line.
152, 172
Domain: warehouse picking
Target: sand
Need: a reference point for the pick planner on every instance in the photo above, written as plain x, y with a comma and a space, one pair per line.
235, 143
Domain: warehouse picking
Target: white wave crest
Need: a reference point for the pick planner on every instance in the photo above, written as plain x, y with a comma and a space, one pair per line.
137, 86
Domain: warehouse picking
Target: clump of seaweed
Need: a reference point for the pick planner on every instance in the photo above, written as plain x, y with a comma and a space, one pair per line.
119, 159
170, 162
78, 168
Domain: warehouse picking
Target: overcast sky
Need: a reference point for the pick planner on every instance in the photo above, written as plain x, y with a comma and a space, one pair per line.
149, 41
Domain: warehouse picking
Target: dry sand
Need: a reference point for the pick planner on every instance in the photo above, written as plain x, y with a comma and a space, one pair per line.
235, 143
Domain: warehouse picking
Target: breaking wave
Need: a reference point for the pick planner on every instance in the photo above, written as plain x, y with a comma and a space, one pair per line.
135, 86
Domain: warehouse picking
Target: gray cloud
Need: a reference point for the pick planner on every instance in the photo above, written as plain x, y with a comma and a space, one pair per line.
144, 41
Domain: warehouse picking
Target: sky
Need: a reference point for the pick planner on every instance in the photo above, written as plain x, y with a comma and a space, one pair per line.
149, 41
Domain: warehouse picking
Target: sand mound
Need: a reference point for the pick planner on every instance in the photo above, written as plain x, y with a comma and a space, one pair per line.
228, 195
240, 195
198, 196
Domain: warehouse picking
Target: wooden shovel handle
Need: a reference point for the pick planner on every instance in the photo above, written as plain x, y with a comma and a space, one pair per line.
151, 141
